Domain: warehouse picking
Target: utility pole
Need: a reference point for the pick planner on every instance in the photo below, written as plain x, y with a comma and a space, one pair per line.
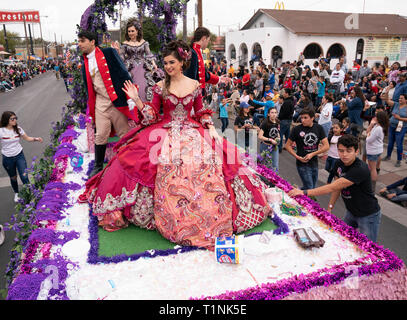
42, 39
31, 39
5, 37
32, 29
56, 47
26, 41
200, 21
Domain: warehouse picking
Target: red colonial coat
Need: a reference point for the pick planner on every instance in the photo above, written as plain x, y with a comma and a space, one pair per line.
213, 79
107, 80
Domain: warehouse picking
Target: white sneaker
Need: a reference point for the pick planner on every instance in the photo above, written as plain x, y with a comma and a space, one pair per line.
16, 197
2, 235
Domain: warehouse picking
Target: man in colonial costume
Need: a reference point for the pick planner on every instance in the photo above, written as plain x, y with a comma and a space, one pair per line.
197, 70
104, 75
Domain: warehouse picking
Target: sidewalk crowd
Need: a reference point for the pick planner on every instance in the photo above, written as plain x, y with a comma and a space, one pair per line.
268, 102
14, 76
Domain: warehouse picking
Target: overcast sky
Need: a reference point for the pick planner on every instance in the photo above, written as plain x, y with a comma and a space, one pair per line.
59, 18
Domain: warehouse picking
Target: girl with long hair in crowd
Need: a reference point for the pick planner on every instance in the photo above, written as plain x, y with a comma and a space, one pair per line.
374, 142
269, 135
12, 151
333, 155
342, 112
325, 116
244, 122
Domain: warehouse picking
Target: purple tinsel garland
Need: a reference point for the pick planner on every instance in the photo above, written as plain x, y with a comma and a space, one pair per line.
282, 226
82, 120
54, 199
50, 236
26, 286
70, 133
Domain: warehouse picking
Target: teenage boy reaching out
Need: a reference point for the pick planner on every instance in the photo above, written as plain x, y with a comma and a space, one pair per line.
353, 182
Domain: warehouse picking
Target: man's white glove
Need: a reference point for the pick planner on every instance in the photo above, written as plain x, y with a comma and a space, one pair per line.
131, 104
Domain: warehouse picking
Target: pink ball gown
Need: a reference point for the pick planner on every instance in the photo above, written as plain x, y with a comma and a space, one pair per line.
171, 176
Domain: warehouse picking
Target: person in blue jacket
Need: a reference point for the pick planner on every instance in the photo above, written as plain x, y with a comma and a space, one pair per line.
223, 113
266, 104
272, 79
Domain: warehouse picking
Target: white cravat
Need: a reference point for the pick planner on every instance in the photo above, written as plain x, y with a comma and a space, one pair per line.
93, 69
93, 65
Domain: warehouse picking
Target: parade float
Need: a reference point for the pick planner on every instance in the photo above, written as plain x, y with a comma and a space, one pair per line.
300, 252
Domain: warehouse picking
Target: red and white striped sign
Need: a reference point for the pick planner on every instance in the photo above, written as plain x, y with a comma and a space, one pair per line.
30, 16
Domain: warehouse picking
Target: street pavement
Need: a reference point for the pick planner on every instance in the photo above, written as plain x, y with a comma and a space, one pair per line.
40, 102
37, 104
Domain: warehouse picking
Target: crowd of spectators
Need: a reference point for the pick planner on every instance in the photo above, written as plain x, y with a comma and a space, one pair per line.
368, 101
14, 76
347, 94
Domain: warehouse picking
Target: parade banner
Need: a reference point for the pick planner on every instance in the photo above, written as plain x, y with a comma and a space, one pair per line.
378, 48
10, 16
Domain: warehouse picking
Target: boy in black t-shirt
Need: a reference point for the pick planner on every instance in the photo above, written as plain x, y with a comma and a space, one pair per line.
353, 182
307, 136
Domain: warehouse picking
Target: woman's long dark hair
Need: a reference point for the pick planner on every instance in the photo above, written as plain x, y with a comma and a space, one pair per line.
267, 120
241, 113
172, 49
134, 23
359, 93
383, 120
329, 97
306, 100
5, 119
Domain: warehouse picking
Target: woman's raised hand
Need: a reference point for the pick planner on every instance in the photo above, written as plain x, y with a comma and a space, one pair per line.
131, 90
115, 45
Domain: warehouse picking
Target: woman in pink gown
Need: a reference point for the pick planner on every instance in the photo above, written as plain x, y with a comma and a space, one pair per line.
175, 173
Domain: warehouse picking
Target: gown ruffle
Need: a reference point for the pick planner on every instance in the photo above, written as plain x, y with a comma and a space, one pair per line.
170, 175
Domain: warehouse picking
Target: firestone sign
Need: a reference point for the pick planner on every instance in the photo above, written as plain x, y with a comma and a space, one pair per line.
19, 16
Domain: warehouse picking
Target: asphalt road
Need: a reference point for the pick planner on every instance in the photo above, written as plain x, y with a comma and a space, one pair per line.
37, 104
40, 102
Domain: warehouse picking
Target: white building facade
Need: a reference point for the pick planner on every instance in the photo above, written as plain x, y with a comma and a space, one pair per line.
263, 35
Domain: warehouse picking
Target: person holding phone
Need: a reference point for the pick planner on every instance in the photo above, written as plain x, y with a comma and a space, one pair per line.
12, 151
398, 128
